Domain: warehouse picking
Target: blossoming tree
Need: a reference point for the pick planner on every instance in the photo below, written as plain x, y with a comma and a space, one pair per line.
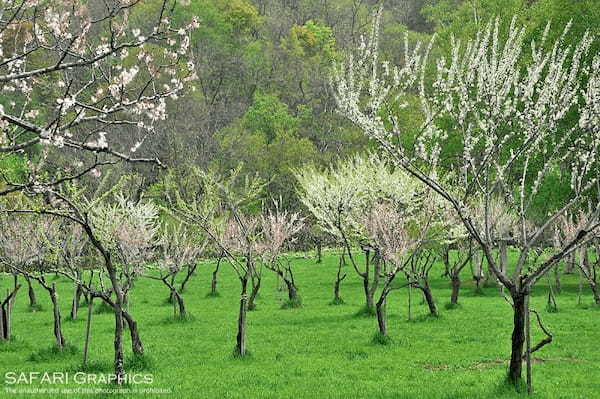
279, 228
510, 110
340, 197
76, 75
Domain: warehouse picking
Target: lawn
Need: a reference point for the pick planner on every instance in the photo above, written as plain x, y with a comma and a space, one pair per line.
319, 350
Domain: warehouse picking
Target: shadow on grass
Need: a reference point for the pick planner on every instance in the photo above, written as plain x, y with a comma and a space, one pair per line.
103, 307
424, 318
292, 303
53, 353
337, 302
380, 339
13, 344
179, 319
137, 362
452, 306
35, 308
365, 311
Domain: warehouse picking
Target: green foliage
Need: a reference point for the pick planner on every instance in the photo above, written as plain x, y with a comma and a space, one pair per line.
270, 117
13, 167
312, 40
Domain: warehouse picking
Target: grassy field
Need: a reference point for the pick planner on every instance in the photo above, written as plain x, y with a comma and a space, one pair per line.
319, 350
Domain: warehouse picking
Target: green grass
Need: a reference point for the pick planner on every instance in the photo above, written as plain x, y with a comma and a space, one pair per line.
318, 350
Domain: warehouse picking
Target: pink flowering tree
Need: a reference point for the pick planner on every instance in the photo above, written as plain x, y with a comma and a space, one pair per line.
76, 75
278, 229
568, 227
509, 105
28, 251
179, 248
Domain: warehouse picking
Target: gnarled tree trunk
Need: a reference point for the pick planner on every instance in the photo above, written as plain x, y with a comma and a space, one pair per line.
518, 337
58, 335
455, 282
429, 298
6, 307
136, 342
31, 293
256, 282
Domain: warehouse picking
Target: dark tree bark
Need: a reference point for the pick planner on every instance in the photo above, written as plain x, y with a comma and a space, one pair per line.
381, 316
256, 282
319, 251
118, 345
241, 334
31, 293
58, 335
338, 282
292, 289
136, 342
190, 270
214, 281
6, 314
518, 338
455, 282
595, 292
429, 298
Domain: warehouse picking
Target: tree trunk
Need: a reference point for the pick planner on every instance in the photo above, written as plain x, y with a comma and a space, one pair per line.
319, 252
503, 248
31, 292
409, 301
88, 329
241, 334
76, 299
557, 277
136, 342
188, 275
528, 346
58, 335
336, 290
292, 290
571, 259
213, 282
375, 283
2, 323
118, 345
255, 288
381, 316
478, 273
518, 338
428, 296
180, 305
595, 292
6, 307
455, 281
368, 296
